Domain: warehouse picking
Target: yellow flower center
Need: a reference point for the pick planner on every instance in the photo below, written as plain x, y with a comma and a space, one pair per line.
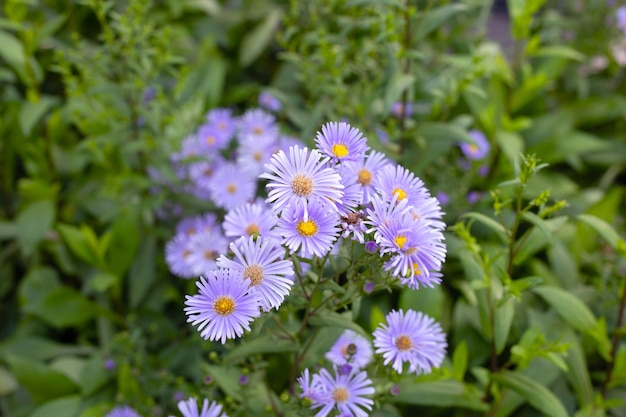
210, 254
416, 269
302, 185
307, 228
400, 193
364, 177
221, 126
400, 241
473, 148
404, 343
208, 172
224, 305
340, 150
252, 229
257, 156
186, 253
210, 140
232, 188
258, 131
255, 273
190, 231
341, 395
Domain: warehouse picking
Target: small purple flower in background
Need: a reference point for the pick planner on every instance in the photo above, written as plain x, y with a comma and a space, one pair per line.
148, 95
620, 15
443, 198
256, 122
109, 364
351, 348
231, 187
223, 120
122, 411
395, 390
345, 393
477, 150
400, 110
254, 152
301, 177
382, 135
203, 251
464, 164
412, 337
371, 247
483, 170
211, 139
474, 197
269, 102
244, 379
223, 307
341, 142
368, 287
251, 219
179, 396
190, 408
177, 252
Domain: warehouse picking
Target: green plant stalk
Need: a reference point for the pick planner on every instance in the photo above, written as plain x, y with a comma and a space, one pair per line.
620, 319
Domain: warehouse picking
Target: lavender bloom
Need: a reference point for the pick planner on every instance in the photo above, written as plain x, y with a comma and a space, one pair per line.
620, 15
366, 171
256, 122
261, 262
269, 102
190, 408
341, 142
122, 411
371, 247
251, 220
223, 120
302, 177
474, 197
189, 226
244, 379
351, 348
443, 198
483, 170
477, 150
203, 251
177, 252
401, 183
109, 364
412, 337
394, 390
310, 386
211, 139
399, 109
310, 230
344, 393
254, 152
230, 187
223, 307
429, 209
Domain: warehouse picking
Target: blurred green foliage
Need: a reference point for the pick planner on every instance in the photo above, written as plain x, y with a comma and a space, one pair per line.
94, 93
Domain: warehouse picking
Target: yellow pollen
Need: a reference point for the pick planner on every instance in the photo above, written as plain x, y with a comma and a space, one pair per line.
404, 343
400, 193
473, 148
257, 156
210, 254
307, 228
208, 172
365, 177
341, 395
416, 269
411, 250
210, 140
255, 273
340, 150
302, 185
224, 306
258, 130
400, 241
221, 126
186, 253
232, 188
252, 228
191, 231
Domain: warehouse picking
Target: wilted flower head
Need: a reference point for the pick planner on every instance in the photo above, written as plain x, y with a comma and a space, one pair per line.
412, 337
351, 348
477, 150
189, 408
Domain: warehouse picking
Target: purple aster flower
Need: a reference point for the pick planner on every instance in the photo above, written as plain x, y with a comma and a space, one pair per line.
341, 142
366, 170
251, 220
371, 247
383, 212
201, 172
286, 142
412, 337
262, 262
429, 209
345, 393
394, 390
256, 122
352, 192
310, 386
301, 177
203, 252
211, 139
122, 411
443, 198
254, 152
477, 150
244, 379
620, 15
177, 253
222, 118
312, 229
399, 109
190, 149
474, 197
197, 224
351, 348
230, 187
190, 408
269, 102
400, 182
109, 364
223, 307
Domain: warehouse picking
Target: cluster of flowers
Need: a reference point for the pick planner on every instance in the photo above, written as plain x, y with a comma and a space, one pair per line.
412, 337
187, 408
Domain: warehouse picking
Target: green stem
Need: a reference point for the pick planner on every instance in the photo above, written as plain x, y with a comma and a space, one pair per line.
615, 342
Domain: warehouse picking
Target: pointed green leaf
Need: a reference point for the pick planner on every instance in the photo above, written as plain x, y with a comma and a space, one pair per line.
502, 324
40, 381
569, 307
490, 223
32, 224
65, 406
437, 17
256, 40
534, 393
459, 361
605, 230
336, 320
263, 344
448, 393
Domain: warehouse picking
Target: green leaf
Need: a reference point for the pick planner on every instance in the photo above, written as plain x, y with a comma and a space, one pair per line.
427, 300
534, 393
571, 309
435, 18
94, 375
459, 361
559, 51
263, 344
540, 223
440, 394
8, 383
490, 223
142, 274
66, 407
336, 320
256, 40
41, 382
31, 113
78, 243
127, 383
63, 307
123, 244
449, 133
227, 377
37, 283
376, 316
70, 366
577, 369
512, 146
100, 282
502, 324
605, 230
33, 223
11, 51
